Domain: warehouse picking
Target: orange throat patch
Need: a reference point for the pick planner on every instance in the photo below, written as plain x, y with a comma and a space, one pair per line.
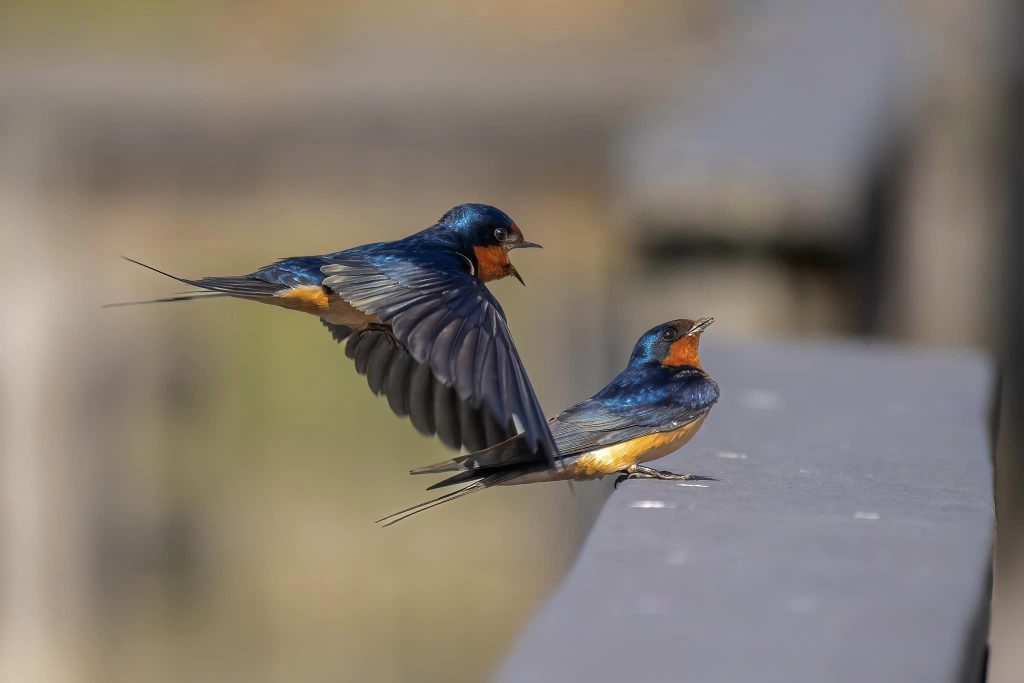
492, 263
683, 352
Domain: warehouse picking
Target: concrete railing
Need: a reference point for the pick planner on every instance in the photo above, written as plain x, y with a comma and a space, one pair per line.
848, 536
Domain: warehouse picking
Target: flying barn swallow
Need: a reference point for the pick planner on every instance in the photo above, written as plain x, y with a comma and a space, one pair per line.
420, 324
652, 408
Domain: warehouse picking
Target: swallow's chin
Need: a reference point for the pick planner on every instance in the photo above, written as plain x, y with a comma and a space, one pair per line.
492, 263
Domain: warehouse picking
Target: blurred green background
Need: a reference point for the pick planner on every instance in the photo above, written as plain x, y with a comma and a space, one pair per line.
188, 490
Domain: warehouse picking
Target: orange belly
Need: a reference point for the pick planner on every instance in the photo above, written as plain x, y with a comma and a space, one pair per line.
324, 304
617, 458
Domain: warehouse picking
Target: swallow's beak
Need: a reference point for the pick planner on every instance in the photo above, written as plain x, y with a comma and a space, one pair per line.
516, 275
522, 245
700, 326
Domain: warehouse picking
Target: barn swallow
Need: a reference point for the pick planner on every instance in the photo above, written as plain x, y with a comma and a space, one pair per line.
419, 322
652, 408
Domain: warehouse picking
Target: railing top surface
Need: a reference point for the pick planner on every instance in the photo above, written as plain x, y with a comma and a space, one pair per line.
847, 537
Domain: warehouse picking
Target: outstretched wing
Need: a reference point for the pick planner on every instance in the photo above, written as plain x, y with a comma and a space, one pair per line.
448, 321
412, 390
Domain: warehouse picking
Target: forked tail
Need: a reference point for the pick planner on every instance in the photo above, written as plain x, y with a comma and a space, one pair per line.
478, 485
245, 286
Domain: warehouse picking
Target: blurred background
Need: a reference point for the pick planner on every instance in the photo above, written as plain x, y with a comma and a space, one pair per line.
187, 491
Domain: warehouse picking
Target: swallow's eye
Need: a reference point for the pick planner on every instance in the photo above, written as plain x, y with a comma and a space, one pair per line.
669, 334
500, 234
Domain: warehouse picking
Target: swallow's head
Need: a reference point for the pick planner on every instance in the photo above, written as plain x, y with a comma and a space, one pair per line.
488, 234
672, 344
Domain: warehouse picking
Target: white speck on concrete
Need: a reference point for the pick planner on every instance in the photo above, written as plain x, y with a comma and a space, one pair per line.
650, 605
898, 410
806, 471
867, 515
677, 557
692, 485
802, 605
650, 504
730, 455
760, 399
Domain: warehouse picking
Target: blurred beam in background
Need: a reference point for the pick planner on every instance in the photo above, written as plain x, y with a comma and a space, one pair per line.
779, 164
44, 556
1008, 603
1012, 300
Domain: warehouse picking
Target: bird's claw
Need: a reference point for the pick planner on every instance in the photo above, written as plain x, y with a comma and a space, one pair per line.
641, 472
388, 332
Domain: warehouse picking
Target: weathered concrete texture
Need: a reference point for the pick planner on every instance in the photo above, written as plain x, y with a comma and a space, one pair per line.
848, 537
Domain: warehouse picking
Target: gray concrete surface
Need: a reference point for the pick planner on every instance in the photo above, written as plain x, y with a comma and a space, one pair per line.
847, 538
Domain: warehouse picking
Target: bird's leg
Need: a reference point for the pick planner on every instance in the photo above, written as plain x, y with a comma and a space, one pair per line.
641, 472
386, 329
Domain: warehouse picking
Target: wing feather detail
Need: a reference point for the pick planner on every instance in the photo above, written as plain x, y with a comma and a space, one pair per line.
450, 323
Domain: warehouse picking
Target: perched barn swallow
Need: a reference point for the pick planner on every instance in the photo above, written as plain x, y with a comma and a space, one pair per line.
654, 407
420, 324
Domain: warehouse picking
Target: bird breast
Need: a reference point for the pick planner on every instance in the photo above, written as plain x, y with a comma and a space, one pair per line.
618, 457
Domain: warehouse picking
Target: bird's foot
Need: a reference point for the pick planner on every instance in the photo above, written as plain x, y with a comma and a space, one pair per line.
641, 472
388, 332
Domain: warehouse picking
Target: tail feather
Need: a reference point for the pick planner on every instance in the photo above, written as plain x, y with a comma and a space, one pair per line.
184, 296
479, 485
461, 477
440, 500
241, 286
162, 272
512, 451
451, 465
